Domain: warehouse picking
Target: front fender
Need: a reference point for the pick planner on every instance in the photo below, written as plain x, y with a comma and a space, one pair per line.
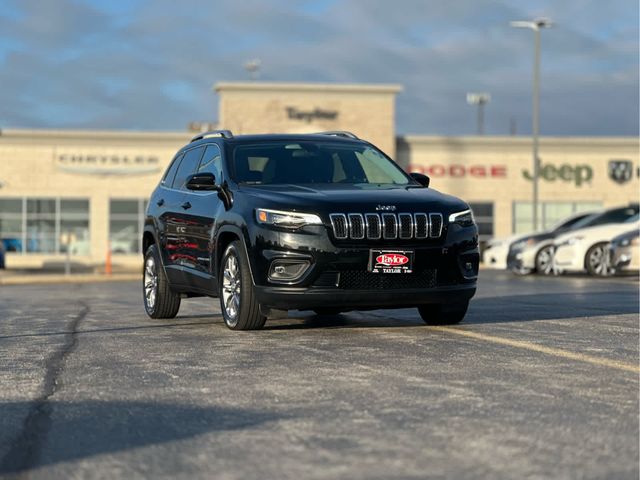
241, 232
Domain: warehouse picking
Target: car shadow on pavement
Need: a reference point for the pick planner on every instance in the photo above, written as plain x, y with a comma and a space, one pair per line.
482, 310
550, 306
362, 319
177, 323
55, 432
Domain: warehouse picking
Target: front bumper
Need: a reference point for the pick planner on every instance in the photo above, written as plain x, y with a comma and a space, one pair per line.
523, 258
290, 298
621, 257
444, 270
496, 256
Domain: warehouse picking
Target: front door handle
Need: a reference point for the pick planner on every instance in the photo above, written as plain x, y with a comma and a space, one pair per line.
160, 202
186, 205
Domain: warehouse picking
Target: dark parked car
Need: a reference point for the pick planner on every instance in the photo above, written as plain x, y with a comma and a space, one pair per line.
323, 222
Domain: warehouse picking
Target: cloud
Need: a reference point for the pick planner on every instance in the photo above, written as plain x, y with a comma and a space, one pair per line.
151, 65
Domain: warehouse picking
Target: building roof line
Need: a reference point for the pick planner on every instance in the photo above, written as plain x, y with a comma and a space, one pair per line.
516, 140
308, 87
26, 133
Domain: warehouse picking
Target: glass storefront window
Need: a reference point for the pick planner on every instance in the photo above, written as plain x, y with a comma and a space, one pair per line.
10, 206
41, 235
126, 220
11, 224
483, 214
549, 213
41, 206
74, 226
45, 225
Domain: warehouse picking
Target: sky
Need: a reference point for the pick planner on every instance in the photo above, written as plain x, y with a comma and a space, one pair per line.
150, 65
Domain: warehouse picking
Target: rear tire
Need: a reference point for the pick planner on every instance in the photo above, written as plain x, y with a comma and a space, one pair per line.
443, 314
238, 303
159, 300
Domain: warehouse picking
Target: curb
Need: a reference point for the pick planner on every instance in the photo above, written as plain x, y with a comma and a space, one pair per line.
43, 279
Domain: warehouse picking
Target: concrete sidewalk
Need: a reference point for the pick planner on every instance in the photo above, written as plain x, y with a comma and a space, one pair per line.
22, 278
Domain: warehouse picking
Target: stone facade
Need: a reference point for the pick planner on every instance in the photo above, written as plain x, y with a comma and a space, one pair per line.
98, 166
496, 169
366, 110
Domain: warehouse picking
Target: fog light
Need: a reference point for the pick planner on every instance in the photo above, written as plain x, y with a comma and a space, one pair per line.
468, 266
287, 270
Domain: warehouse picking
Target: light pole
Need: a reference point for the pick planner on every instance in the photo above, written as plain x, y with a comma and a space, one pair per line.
479, 99
253, 68
535, 25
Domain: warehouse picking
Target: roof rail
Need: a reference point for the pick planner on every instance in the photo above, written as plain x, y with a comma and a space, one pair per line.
213, 133
339, 133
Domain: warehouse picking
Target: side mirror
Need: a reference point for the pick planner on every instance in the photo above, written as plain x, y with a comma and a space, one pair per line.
202, 181
421, 178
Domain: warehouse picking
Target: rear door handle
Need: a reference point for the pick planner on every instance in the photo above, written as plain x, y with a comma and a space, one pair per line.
160, 202
186, 205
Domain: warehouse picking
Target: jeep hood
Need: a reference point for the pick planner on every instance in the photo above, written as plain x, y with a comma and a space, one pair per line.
347, 198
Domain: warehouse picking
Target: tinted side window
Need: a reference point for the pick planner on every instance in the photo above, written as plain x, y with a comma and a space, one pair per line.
211, 161
167, 180
187, 167
615, 216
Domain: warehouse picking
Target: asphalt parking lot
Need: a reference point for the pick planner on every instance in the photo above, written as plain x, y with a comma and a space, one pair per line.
541, 381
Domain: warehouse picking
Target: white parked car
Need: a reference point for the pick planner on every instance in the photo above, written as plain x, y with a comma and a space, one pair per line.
535, 252
587, 248
496, 252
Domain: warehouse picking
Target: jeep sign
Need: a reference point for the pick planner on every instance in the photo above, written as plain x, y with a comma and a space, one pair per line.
577, 174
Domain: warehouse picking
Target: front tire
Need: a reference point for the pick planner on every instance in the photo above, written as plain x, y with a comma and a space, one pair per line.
159, 300
443, 314
596, 260
238, 304
545, 261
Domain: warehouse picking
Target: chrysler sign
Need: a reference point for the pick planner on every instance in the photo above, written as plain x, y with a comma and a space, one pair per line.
108, 164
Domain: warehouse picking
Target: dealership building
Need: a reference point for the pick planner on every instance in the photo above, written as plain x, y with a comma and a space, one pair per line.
86, 191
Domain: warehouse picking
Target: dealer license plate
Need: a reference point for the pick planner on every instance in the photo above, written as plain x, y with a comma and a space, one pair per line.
391, 261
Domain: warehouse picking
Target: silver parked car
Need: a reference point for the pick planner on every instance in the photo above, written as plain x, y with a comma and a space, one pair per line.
624, 252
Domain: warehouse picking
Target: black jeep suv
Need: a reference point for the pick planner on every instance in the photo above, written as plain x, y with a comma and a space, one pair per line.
323, 222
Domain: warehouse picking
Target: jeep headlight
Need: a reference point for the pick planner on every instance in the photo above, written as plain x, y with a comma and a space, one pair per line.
286, 219
464, 218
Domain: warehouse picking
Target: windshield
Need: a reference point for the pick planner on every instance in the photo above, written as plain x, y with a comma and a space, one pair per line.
633, 219
308, 162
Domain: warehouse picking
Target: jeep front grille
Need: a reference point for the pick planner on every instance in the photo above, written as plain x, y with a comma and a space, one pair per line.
388, 226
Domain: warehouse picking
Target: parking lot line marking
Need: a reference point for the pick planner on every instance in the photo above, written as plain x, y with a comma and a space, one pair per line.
557, 352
